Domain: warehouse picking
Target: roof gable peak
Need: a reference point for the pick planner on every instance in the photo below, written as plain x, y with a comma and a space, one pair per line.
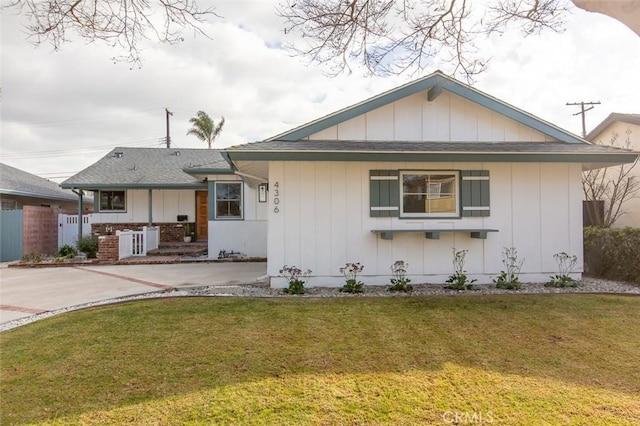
434, 84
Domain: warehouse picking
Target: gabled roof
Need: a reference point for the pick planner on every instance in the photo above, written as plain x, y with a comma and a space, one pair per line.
150, 168
614, 117
434, 83
18, 182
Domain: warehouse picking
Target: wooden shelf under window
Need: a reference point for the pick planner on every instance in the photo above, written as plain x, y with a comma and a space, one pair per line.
433, 234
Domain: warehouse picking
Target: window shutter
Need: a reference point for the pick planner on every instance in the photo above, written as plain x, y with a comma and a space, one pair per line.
475, 193
384, 193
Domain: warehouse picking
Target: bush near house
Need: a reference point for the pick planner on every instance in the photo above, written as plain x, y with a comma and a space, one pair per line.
612, 253
89, 246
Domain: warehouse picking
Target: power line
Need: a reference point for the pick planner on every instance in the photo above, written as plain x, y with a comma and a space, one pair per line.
76, 122
77, 151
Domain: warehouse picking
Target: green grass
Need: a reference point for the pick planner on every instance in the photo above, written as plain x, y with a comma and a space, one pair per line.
512, 359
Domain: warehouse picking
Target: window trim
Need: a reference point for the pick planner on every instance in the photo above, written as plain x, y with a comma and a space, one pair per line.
458, 194
215, 200
124, 201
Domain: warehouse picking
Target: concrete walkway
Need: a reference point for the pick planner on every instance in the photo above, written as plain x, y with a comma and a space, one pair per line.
28, 291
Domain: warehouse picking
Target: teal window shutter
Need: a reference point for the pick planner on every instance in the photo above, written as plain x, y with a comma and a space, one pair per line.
474, 193
384, 193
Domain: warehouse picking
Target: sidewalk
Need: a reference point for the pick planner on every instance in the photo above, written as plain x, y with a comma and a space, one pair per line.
28, 291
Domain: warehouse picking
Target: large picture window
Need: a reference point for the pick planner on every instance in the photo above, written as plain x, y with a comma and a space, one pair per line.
228, 200
112, 201
432, 193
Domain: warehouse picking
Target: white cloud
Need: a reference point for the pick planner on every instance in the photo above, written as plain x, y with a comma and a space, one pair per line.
79, 103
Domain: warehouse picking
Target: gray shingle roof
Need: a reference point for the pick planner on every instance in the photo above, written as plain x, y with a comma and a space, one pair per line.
591, 156
150, 168
18, 182
426, 147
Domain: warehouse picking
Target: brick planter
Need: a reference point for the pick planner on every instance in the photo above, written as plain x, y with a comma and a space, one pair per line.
169, 232
108, 249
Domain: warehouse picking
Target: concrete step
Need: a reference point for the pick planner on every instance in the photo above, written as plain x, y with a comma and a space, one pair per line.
196, 248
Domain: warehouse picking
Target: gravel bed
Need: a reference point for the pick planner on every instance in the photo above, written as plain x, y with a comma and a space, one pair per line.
587, 285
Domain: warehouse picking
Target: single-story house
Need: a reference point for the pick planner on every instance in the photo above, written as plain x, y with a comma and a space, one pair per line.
414, 172
29, 214
623, 130
173, 188
19, 188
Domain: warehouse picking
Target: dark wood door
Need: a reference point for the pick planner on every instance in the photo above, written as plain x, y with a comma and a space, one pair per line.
202, 216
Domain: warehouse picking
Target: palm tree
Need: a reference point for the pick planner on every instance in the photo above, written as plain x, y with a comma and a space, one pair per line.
204, 128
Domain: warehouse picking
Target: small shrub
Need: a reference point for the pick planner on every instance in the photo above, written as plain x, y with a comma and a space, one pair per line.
33, 258
400, 282
294, 276
612, 253
66, 252
566, 265
89, 246
509, 279
459, 280
350, 272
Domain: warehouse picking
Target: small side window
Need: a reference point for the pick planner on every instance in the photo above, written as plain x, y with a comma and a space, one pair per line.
228, 200
113, 201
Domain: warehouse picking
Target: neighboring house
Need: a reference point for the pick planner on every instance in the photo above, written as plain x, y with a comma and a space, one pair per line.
19, 188
416, 171
30, 208
169, 188
622, 129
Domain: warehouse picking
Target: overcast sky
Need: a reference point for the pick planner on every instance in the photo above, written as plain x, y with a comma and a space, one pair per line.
62, 111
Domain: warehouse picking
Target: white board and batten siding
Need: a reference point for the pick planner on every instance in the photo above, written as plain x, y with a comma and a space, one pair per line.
248, 235
447, 118
320, 219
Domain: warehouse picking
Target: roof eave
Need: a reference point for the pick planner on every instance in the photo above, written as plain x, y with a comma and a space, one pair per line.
207, 171
116, 186
412, 156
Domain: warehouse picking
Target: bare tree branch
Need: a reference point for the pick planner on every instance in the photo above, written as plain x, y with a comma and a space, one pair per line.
392, 37
120, 23
612, 185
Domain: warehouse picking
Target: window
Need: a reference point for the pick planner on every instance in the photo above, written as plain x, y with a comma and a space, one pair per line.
9, 205
228, 200
429, 194
112, 201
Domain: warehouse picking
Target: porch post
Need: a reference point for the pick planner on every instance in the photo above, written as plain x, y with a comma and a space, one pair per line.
150, 208
80, 193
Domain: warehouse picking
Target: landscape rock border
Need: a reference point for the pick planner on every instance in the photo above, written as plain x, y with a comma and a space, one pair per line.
588, 285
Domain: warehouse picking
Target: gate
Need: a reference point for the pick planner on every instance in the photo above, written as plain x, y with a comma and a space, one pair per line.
137, 243
10, 235
68, 228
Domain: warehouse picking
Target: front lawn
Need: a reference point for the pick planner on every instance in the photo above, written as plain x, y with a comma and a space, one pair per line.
507, 359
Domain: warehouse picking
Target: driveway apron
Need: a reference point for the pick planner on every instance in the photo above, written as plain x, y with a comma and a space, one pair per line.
28, 291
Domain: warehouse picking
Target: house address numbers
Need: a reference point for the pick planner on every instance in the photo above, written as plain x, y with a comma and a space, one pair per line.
276, 197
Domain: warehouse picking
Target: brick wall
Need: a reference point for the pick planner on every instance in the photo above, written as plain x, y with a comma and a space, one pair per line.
39, 230
169, 232
108, 248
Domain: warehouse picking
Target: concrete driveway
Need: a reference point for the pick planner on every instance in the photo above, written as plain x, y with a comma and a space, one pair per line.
28, 291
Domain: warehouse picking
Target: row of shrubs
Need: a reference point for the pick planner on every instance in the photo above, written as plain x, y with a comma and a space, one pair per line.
612, 253
87, 245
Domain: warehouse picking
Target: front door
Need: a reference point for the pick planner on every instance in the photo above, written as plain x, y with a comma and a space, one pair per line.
202, 217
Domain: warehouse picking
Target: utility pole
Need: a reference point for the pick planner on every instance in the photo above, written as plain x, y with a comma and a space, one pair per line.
583, 111
169, 113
